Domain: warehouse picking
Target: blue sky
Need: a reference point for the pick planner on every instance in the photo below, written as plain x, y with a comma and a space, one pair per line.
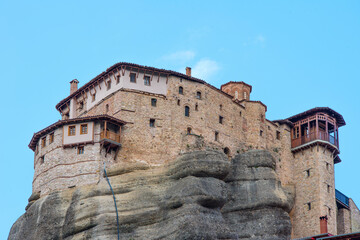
296, 54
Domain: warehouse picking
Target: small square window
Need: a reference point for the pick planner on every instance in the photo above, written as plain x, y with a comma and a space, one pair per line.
277, 135
83, 129
80, 150
198, 95
153, 102
71, 131
51, 137
108, 87
147, 80
133, 77
43, 142
152, 122
221, 118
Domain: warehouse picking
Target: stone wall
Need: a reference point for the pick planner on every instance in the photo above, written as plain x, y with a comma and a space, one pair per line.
313, 189
355, 216
343, 221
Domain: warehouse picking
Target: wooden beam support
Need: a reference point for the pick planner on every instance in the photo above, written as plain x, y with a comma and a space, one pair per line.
123, 70
325, 148
158, 77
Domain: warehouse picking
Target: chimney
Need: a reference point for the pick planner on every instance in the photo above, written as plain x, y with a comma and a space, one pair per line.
188, 71
73, 86
323, 224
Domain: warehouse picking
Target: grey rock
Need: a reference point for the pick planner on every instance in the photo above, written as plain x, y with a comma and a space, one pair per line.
201, 195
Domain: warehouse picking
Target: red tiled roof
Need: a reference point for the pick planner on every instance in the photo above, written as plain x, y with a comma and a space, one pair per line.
60, 123
118, 66
236, 82
339, 118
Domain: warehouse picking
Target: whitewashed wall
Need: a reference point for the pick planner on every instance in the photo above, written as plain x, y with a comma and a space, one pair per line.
78, 137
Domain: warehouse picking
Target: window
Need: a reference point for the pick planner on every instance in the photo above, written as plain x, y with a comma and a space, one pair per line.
147, 80
227, 151
236, 95
152, 123
245, 95
93, 97
240, 113
221, 118
198, 95
187, 111
71, 131
153, 102
328, 188
196, 107
107, 108
220, 106
277, 135
51, 138
309, 206
188, 130
327, 166
80, 150
42, 159
181, 90
117, 79
133, 77
178, 102
83, 129
261, 132
81, 105
308, 173
43, 142
216, 136
108, 87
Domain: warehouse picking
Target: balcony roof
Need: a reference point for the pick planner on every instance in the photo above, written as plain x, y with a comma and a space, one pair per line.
339, 118
52, 127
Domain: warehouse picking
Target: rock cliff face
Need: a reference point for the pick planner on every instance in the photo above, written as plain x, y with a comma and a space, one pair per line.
202, 195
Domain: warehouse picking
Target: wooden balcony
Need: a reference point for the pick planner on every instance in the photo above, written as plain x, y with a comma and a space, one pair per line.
313, 137
110, 135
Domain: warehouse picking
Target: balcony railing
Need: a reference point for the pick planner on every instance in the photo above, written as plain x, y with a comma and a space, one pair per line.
312, 136
341, 198
106, 134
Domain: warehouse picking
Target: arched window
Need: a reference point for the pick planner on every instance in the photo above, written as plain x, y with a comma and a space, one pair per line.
198, 95
245, 95
236, 95
196, 107
181, 90
187, 111
227, 151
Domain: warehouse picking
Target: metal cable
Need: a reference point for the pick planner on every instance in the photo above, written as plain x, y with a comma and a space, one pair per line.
117, 215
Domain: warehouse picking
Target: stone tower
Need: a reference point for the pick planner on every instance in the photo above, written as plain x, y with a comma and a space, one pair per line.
239, 90
315, 148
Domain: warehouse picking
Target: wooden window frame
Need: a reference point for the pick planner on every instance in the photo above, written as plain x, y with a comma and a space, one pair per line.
80, 150
147, 80
69, 130
43, 142
132, 74
51, 137
82, 126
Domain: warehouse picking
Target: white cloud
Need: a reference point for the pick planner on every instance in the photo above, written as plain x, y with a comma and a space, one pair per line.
205, 68
260, 39
180, 56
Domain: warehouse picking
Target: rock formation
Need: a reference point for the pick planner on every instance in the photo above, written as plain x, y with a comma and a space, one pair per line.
200, 195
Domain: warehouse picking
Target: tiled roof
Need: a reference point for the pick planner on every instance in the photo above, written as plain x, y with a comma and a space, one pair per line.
236, 82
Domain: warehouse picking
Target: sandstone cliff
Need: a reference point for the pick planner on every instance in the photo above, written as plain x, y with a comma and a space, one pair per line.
202, 195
